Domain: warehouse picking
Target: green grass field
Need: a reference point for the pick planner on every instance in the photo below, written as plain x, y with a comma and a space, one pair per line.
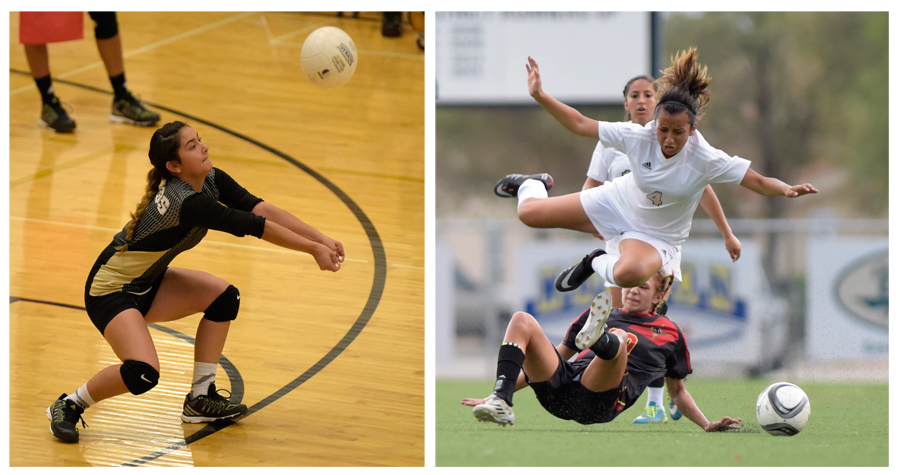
848, 426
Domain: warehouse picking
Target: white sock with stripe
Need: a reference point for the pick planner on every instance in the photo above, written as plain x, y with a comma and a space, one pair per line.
204, 375
82, 397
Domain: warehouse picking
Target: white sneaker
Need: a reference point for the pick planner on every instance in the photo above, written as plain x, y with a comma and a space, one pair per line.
596, 322
494, 410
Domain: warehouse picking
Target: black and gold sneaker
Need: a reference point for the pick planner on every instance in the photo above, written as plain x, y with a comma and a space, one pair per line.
64, 416
211, 406
54, 116
129, 110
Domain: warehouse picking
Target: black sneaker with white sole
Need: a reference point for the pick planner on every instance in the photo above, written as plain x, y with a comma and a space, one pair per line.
64, 416
572, 278
508, 186
211, 406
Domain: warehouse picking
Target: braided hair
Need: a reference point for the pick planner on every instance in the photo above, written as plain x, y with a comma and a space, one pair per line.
163, 148
665, 286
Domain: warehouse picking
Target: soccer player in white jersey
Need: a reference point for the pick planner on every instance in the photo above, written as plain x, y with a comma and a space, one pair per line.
650, 209
608, 163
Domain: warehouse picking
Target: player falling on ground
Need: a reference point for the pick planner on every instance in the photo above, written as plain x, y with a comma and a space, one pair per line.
615, 365
608, 163
131, 283
650, 209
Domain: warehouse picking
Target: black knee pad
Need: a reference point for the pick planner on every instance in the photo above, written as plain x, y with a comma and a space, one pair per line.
225, 307
106, 25
139, 377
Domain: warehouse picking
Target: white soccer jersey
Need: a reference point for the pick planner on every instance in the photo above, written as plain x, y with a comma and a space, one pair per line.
660, 194
607, 163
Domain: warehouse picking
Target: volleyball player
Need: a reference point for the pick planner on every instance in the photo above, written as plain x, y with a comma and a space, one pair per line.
649, 209
125, 107
131, 283
622, 350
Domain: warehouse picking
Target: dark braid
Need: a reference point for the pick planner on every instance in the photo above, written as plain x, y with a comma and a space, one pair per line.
665, 286
163, 148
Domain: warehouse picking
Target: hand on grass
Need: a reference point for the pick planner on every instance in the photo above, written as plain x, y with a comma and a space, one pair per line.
727, 423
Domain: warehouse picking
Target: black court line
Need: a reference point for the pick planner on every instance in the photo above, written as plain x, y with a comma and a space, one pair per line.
375, 293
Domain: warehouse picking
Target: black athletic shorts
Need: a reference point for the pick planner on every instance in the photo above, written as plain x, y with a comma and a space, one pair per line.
565, 397
103, 309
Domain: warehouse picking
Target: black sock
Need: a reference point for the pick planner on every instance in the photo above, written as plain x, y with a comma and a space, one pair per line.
45, 86
118, 85
509, 363
607, 346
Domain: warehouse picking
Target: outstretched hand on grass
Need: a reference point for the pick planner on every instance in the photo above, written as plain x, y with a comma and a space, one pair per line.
727, 423
467, 401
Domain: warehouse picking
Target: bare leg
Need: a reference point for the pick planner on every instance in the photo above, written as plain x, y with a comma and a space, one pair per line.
603, 375
638, 262
38, 60
111, 53
541, 360
616, 294
185, 292
556, 212
210, 340
130, 339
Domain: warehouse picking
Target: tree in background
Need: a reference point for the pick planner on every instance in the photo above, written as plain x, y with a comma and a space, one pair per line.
792, 91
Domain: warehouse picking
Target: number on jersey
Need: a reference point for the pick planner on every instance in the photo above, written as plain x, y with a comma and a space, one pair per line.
655, 198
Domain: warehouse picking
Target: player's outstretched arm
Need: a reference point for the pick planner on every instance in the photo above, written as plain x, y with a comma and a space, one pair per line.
567, 116
769, 186
686, 405
710, 203
298, 227
326, 258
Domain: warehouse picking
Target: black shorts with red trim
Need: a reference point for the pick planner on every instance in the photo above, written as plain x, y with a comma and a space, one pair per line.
565, 397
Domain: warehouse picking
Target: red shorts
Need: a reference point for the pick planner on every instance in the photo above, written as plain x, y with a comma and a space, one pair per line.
39, 28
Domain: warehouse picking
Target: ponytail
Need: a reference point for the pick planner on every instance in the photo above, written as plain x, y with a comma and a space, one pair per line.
684, 86
665, 286
153, 181
163, 148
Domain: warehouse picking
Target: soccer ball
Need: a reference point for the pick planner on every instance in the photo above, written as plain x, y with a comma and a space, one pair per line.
782, 409
328, 57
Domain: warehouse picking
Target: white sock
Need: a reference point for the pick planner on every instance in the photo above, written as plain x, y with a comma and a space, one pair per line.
655, 395
531, 189
204, 375
82, 397
604, 265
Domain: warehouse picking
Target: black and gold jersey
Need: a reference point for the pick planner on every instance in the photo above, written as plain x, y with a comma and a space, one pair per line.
175, 221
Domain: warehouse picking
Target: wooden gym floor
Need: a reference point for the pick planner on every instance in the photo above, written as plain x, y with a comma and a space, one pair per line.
330, 364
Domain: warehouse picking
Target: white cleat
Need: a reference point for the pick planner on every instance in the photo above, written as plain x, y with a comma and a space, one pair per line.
596, 322
494, 410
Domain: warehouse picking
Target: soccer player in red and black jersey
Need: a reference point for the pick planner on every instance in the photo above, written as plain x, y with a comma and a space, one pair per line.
621, 352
